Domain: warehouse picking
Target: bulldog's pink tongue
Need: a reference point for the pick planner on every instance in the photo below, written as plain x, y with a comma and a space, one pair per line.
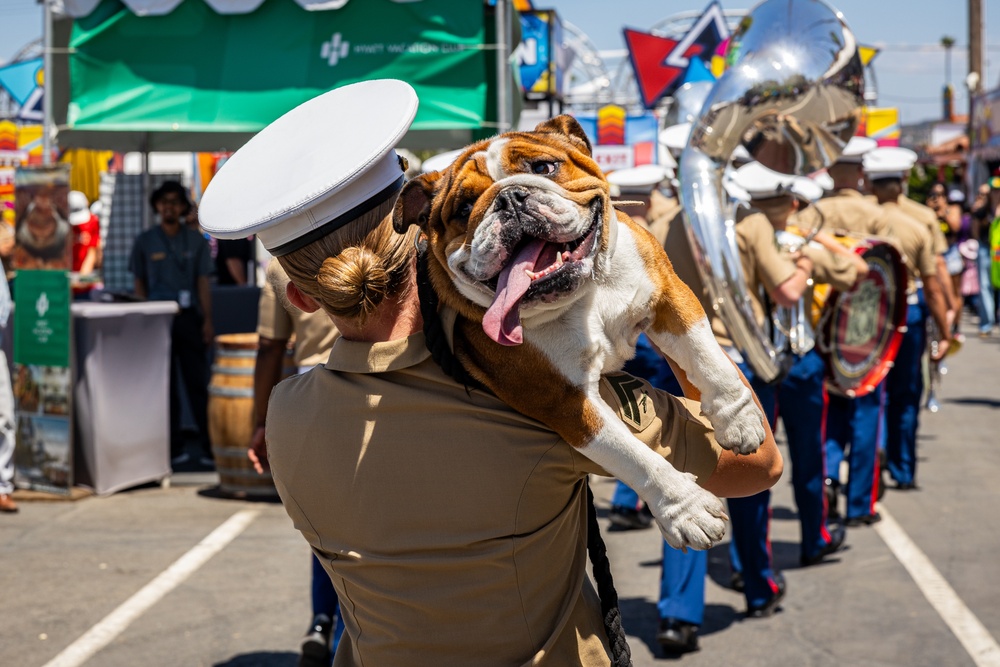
502, 322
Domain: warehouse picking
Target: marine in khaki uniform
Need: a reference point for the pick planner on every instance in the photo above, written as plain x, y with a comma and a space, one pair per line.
852, 424
785, 278
453, 528
929, 220
886, 169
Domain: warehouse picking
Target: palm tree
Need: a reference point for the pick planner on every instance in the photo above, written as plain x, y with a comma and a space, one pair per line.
947, 43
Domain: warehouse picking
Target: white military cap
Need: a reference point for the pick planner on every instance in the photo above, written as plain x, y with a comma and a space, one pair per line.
823, 180
675, 137
856, 149
759, 182
440, 161
733, 189
321, 165
806, 188
638, 180
79, 207
889, 162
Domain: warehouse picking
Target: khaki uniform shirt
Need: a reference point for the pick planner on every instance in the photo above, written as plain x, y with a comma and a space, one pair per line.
453, 528
766, 265
915, 242
926, 217
846, 211
314, 332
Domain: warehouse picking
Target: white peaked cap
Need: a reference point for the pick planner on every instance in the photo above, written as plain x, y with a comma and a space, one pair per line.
321, 165
79, 207
806, 188
824, 180
675, 137
889, 162
856, 149
640, 179
759, 182
440, 161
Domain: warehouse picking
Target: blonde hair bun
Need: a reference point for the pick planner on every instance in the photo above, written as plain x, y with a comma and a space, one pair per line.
354, 282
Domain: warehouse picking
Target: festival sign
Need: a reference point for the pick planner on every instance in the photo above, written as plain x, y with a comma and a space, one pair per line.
43, 235
659, 63
620, 141
880, 124
542, 57
42, 380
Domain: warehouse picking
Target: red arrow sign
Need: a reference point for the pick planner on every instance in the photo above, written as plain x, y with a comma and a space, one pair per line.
649, 54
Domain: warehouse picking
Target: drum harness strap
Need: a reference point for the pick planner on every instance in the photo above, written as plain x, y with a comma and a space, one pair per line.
442, 355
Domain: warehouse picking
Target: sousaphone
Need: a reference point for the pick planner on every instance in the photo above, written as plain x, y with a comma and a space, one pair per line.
792, 96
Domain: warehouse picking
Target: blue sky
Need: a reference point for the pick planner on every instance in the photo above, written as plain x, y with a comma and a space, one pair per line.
910, 70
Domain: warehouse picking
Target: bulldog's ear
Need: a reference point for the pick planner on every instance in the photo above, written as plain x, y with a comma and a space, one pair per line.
567, 126
413, 206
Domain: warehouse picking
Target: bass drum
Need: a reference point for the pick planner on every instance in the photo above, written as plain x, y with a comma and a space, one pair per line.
860, 329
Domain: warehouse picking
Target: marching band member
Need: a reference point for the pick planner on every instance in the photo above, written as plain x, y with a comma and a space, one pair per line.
885, 169
852, 424
786, 278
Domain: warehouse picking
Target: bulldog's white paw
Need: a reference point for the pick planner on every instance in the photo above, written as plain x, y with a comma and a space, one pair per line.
737, 421
688, 515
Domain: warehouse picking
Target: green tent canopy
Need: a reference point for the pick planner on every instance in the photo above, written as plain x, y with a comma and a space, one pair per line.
194, 79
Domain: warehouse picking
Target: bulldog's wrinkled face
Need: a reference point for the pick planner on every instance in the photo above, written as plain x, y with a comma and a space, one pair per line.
520, 221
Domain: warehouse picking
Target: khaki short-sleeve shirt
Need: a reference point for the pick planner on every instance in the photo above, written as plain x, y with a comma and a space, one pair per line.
766, 265
915, 242
846, 211
279, 320
926, 216
452, 527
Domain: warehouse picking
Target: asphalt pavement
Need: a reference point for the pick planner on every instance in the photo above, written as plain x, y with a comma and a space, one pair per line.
225, 582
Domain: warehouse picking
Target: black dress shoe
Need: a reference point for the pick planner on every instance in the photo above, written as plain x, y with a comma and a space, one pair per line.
768, 608
906, 486
864, 520
315, 649
677, 636
837, 536
736, 582
830, 490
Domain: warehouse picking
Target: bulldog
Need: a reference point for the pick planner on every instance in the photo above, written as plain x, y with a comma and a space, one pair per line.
552, 287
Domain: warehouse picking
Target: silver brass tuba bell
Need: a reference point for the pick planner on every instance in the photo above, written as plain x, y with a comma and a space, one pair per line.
792, 96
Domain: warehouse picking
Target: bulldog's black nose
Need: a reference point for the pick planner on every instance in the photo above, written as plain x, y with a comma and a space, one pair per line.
511, 198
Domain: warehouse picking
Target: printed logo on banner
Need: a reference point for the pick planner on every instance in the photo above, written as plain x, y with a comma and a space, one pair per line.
334, 50
660, 62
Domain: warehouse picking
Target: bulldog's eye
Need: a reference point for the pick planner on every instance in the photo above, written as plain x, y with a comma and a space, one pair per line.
465, 210
543, 168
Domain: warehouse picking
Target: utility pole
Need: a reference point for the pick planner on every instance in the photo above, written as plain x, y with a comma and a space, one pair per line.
975, 47
48, 86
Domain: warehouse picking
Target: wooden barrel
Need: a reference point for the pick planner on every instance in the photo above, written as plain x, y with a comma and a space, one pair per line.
230, 416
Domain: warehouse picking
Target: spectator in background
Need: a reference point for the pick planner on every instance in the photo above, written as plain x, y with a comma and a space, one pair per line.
984, 212
7, 418
86, 241
232, 259
172, 262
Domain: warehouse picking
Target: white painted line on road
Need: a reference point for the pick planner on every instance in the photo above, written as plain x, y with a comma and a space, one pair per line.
973, 635
117, 621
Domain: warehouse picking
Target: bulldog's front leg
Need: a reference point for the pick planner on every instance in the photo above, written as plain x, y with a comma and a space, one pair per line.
725, 400
686, 514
